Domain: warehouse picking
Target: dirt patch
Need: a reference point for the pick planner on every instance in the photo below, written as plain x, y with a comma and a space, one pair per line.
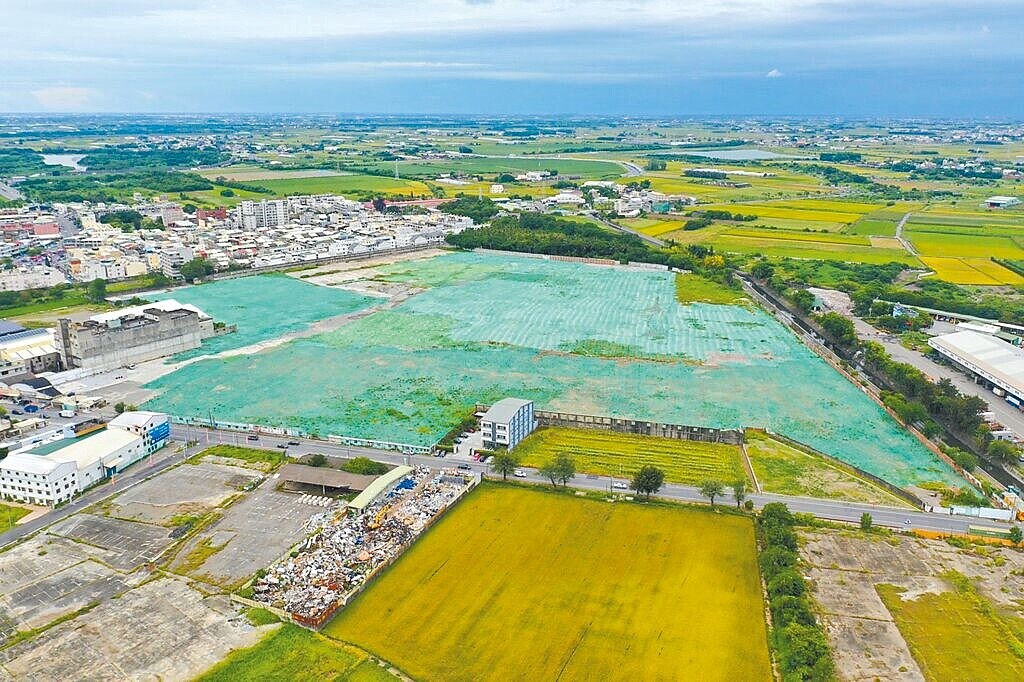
845, 567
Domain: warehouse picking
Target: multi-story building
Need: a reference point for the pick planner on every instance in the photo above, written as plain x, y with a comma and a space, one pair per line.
256, 215
132, 335
507, 422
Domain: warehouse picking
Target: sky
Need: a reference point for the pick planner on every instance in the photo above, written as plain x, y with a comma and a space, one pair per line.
898, 58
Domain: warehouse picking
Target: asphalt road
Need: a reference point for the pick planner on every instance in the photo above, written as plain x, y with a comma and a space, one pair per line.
824, 509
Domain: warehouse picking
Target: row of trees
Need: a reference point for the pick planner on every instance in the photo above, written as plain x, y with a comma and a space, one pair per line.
799, 639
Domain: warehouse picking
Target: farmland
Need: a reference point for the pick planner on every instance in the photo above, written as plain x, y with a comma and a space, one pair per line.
608, 453
934, 626
610, 598
979, 271
692, 288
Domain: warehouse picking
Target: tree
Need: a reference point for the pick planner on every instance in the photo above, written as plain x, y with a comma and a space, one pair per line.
774, 560
197, 268
504, 463
317, 460
762, 270
647, 480
655, 164
802, 299
465, 150
787, 582
711, 489
119, 407
839, 327
3, 411
365, 466
97, 291
865, 521
1016, 535
739, 491
1003, 450
558, 470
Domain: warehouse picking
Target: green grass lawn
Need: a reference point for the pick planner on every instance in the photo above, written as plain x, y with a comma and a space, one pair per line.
291, 653
519, 583
9, 516
958, 635
788, 471
608, 453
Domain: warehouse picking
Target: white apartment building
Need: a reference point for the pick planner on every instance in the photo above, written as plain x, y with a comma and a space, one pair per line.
507, 422
253, 215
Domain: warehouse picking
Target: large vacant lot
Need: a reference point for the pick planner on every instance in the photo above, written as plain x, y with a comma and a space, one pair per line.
527, 584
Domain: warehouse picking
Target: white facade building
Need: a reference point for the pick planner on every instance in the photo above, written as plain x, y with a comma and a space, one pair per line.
507, 422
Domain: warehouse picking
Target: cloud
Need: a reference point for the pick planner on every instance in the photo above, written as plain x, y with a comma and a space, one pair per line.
63, 97
774, 73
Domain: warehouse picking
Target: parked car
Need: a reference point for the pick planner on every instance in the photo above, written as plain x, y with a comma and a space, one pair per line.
465, 467
16, 412
519, 473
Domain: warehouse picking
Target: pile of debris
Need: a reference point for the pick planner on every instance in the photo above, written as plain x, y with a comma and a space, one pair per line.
338, 558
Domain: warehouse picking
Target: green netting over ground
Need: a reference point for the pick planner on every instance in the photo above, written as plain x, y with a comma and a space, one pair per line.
263, 307
571, 337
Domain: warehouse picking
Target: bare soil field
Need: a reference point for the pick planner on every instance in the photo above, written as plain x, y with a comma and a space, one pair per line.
845, 568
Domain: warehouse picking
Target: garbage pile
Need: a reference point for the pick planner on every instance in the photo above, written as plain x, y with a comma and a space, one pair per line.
338, 558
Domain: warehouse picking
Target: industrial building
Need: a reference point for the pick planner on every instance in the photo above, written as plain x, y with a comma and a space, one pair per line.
1001, 202
132, 335
26, 351
507, 422
44, 477
998, 364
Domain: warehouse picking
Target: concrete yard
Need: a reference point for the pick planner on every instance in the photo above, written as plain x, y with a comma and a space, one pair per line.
162, 630
845, 570
131, 544
251, 534
182, 490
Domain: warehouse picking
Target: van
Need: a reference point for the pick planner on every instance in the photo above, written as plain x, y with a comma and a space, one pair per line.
67, 414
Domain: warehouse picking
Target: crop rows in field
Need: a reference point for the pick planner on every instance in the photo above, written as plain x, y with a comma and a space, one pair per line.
608, 453
784, 235
977, 271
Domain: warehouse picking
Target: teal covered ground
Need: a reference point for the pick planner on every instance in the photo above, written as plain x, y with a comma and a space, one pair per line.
572, 337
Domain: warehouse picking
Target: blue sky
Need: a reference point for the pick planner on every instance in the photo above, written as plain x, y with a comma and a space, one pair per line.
641, 57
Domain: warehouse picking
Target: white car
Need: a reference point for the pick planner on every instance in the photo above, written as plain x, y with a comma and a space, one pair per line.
619, 485
519, 473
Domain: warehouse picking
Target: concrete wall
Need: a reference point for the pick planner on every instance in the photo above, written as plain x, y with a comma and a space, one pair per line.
102, 347
677, 431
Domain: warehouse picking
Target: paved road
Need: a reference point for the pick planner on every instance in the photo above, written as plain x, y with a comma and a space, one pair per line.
632, 170
825, 509
8, 192
621, 228
899, 235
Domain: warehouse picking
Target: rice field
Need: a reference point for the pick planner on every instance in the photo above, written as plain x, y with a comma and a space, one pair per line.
971, 271
811, 249
966, 246
518, 583
607, 453
795, 211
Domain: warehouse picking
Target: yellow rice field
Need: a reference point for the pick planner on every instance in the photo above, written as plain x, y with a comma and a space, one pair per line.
526, 584
978, 271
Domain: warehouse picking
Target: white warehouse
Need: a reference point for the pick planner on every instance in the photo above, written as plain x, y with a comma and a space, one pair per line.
994, 361
507, 422
54, 477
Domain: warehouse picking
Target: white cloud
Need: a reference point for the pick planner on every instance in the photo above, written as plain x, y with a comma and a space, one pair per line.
63, 97
774, 73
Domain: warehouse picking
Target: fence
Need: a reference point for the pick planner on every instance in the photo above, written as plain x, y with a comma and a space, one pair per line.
645, 428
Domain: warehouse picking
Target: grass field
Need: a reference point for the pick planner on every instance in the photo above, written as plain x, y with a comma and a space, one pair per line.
787, 471
620, 454
767, 245
292, 653
9, 516
692, 288
522, 584
958, 635
264, 459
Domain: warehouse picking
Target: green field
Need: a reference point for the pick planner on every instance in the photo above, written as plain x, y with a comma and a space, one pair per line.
958, 635
788, 471
608, 453
9, 516
692, 288
263, 459
518, 583
292, 653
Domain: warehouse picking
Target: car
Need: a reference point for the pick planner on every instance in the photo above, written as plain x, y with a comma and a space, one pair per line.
906, 522
465, 467
519, 473
293, 442
283, 446
16, 412
252, 436
619, 485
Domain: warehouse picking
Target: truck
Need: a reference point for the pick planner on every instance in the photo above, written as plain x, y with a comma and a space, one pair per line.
67, 414
998, 391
